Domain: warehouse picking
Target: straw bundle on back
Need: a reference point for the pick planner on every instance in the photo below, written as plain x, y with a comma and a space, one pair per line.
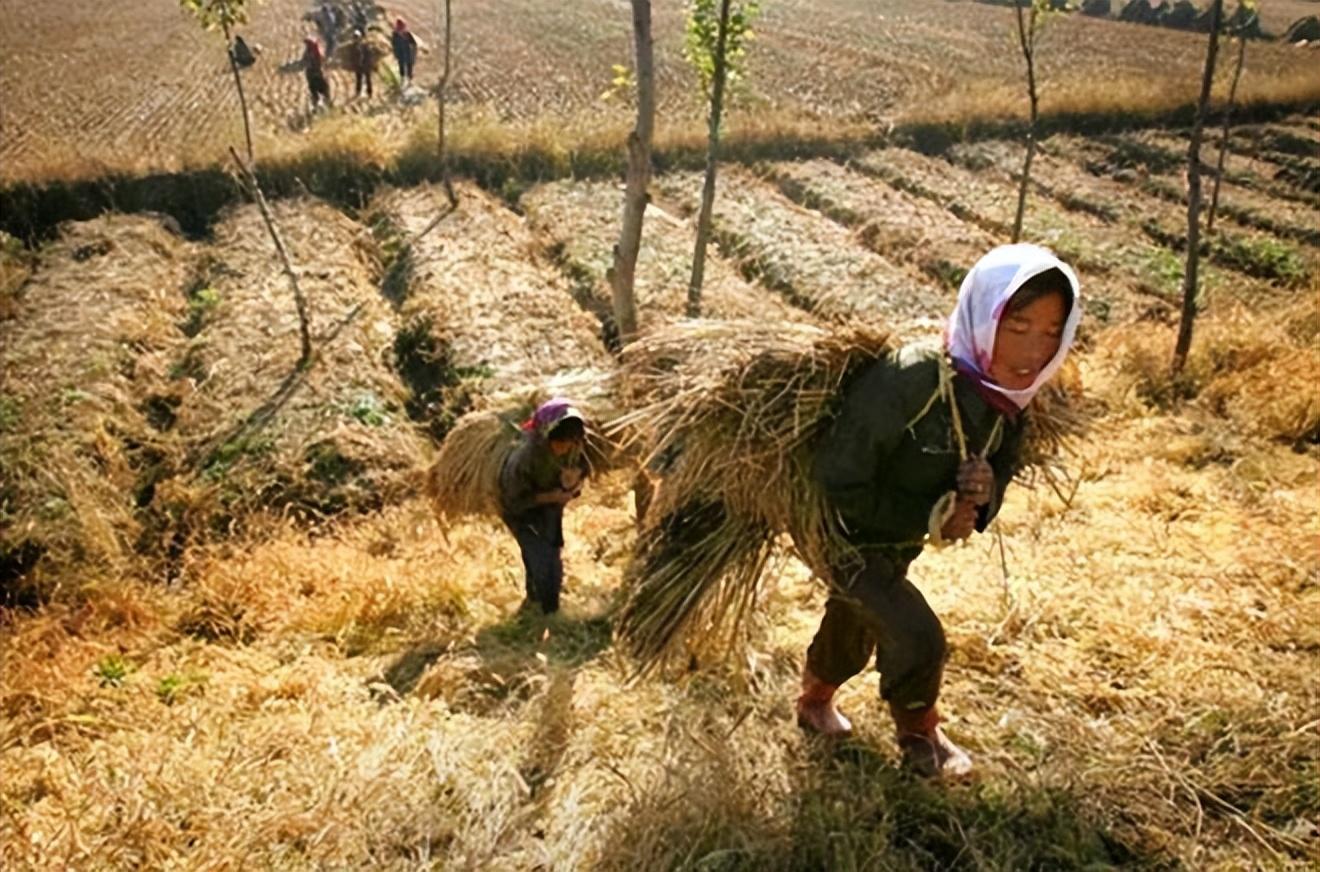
464, 480
734, 432
736, 428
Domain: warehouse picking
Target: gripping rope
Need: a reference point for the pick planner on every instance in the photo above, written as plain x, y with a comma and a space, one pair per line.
943, 508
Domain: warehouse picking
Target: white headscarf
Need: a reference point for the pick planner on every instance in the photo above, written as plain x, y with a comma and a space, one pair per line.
985, 292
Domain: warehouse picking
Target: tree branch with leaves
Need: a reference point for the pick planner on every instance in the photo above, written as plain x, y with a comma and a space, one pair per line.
224, 16
716, 43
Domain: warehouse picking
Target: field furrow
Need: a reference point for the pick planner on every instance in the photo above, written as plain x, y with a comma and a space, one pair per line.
580, 223
1164, 151
1238, 204
895, 224
478, 305
815, 262
265, 433
1158, 209
1133, 269
86, 362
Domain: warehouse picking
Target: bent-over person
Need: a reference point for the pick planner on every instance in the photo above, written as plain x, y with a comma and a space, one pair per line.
539, 478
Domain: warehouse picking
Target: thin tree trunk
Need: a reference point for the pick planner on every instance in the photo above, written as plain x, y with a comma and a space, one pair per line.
1190, 285
623, 273
299, 301
440, 97
1223, 139
712, 158
242, 99
1027, 41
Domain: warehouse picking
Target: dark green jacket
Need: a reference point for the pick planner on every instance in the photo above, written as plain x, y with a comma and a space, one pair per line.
883, 478
530, 470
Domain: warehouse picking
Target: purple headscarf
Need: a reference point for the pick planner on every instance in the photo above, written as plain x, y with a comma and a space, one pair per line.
550, 414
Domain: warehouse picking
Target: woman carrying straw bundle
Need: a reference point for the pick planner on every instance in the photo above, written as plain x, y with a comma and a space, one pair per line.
921, 429
537, 480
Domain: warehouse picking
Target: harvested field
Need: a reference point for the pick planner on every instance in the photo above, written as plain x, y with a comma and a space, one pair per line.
1099, 225
816, 263
146, 88
896, 225
1244, 249
1135, 271
86, 400
580, 222
1117, 722
1165, 151
1244, 207
235, 633
264, 434
481, 313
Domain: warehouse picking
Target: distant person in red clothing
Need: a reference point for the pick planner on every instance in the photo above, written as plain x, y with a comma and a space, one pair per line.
405, 49
318, 87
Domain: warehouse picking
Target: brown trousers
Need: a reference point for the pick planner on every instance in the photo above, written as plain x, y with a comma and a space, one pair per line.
876, 609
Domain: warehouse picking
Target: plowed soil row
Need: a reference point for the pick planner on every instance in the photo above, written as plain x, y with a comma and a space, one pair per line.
1127, 260
139, 83
1157, 164
818, 264
90, 344
1166, 151
895, 224
480, 311
165, 402
580, 223
1163, 216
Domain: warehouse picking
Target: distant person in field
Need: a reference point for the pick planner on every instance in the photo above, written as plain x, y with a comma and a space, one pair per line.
318, 87
891, 455
404, 45
538, 480
362, 62
359, 13
243, 55
327, 22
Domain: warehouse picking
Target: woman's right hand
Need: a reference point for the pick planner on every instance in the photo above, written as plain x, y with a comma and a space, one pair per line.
976, 481
962, 523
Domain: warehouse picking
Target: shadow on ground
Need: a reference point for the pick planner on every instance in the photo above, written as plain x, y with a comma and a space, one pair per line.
849, 807
509, 660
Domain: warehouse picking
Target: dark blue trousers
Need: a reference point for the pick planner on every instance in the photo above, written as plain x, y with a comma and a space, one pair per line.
540, 535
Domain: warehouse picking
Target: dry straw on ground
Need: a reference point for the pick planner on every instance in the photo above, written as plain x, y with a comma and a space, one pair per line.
263, 434
1257, 368
87, 401
1145, 698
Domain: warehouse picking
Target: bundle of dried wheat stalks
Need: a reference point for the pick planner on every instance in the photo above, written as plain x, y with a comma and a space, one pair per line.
464, 479
730, 413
